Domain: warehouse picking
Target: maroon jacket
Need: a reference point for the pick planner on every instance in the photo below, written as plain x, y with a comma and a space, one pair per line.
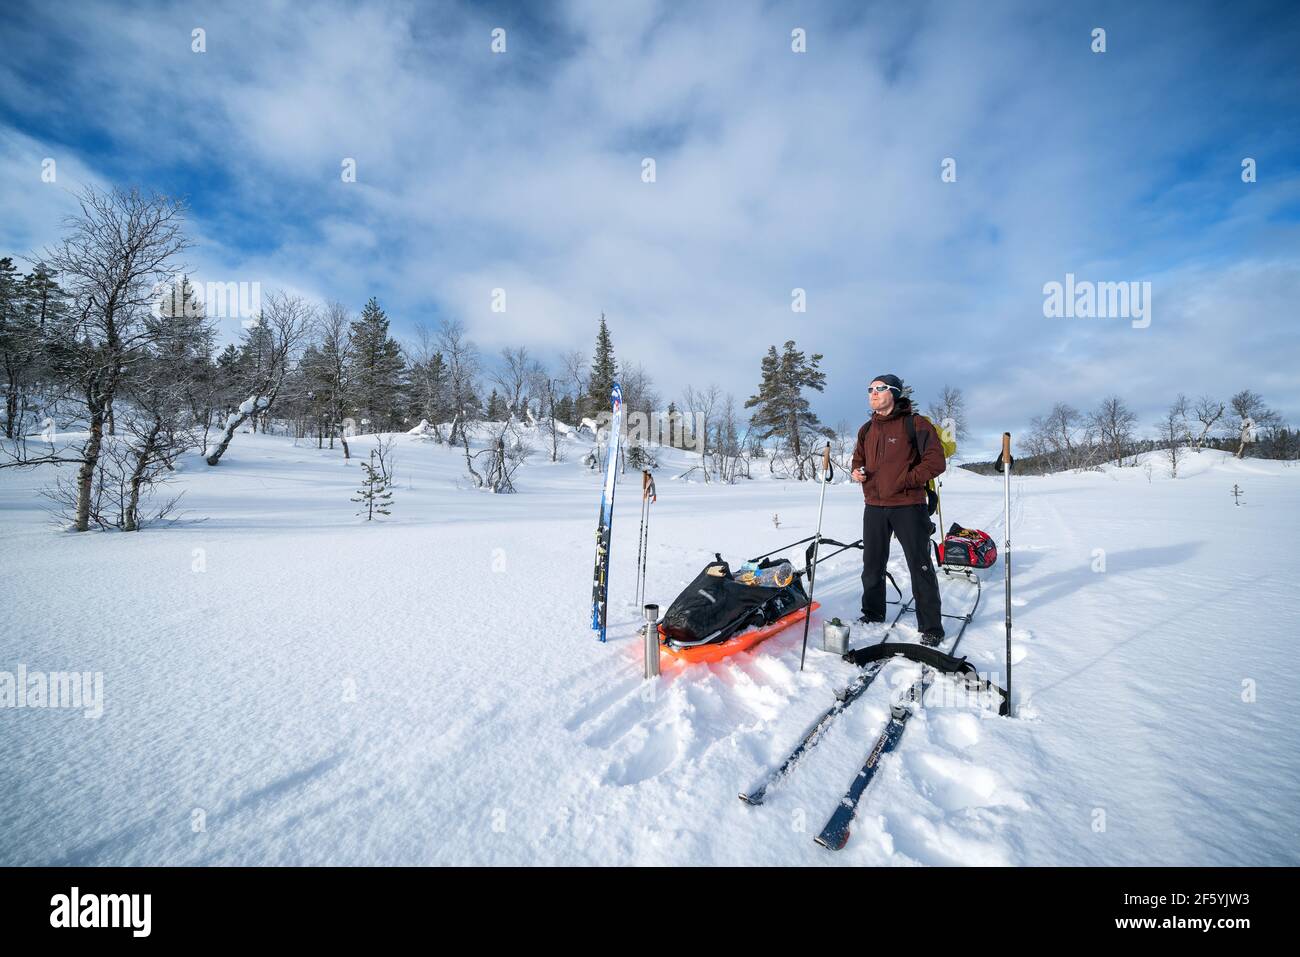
894, 474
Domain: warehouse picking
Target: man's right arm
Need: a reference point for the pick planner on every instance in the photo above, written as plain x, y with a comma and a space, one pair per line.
859, 460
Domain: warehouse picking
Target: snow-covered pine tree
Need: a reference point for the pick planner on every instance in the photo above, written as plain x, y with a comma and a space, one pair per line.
640, 457
374, 495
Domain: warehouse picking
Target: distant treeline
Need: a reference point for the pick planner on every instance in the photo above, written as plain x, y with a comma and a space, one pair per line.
1066, 439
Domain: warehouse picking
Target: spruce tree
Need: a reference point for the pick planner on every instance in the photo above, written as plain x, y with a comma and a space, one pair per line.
604, 370
256, 353
17, 345
183, 328
378, 369
228, 359
782, 409
430, 390
673, 422
564, 410
46, 302
183, 349
254, 362
314, 368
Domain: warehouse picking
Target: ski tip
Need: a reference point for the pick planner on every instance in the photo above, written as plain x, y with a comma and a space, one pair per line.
753, 800
832, 842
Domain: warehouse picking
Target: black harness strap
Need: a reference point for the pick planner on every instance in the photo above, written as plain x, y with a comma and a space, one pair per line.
933, 657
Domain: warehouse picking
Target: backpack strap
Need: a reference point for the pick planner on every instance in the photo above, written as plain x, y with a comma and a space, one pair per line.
918, 444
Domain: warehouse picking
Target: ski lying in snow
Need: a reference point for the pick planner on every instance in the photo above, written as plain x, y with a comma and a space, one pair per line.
872, 660
856, 688
836, 832
605, 521
758, 793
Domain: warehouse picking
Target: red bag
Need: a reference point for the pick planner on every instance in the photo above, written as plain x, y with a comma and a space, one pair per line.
968, 547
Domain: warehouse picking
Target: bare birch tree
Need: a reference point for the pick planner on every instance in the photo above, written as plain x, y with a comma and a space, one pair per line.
1112, 423
334, 334
462, 361
119, 250
1208, 412
949, 412
283, 324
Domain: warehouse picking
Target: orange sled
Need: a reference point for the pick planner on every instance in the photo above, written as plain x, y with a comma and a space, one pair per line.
737, 642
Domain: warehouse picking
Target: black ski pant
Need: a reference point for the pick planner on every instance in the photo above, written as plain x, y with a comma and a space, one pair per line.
911, 524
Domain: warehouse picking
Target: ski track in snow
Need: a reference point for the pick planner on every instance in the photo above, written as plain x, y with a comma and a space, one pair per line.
428, 691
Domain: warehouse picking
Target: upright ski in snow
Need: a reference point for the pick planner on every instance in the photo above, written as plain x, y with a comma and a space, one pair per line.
605, 521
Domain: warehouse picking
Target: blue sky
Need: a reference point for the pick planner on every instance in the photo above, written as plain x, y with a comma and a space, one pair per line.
775, 170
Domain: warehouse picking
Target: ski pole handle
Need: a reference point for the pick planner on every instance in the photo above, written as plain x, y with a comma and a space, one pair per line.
826, 463
1006, 447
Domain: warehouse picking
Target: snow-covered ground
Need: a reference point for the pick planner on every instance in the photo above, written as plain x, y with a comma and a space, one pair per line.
284, 684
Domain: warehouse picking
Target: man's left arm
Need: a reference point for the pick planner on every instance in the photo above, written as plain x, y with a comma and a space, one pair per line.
932, 463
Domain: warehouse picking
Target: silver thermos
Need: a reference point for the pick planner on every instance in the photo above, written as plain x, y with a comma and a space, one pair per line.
652, 641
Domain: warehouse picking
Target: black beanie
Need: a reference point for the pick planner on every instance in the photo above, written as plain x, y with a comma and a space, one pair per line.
893, 381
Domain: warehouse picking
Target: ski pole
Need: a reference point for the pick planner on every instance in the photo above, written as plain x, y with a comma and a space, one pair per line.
648, 496
817, 539
640, 538
1006, 546
938, 503
641, 555
654, 497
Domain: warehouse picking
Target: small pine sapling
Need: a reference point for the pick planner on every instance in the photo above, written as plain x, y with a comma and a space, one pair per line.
374, 495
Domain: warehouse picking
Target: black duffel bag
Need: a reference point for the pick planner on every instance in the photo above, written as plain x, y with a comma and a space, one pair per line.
715, 606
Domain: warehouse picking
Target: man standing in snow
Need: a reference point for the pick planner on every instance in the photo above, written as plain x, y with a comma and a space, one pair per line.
897, 453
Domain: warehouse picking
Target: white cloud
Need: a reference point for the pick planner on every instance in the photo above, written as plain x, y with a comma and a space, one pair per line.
775, 170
